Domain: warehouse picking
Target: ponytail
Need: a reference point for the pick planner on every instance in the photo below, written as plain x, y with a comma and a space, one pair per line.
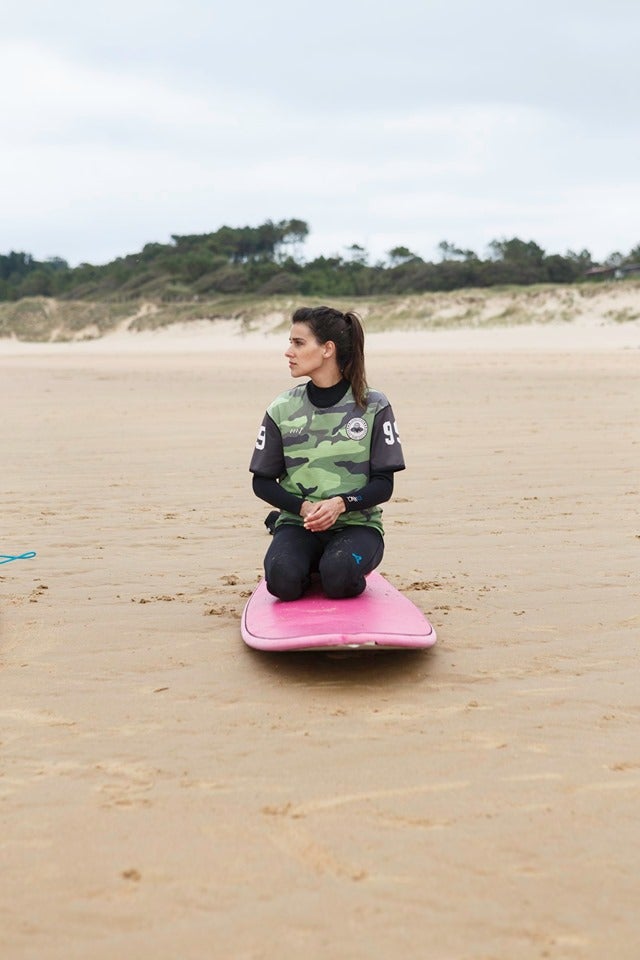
354, 369
346, 331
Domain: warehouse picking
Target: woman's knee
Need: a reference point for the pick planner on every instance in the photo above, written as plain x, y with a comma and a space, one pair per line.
283, 581
347, 561
341, 577
287, 563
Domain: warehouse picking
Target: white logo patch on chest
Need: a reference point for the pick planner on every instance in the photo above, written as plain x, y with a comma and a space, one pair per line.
357, 428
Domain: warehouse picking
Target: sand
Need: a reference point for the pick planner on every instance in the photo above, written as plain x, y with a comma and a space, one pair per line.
168, 793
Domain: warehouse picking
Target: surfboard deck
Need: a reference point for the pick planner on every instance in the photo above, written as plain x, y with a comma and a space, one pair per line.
380, 618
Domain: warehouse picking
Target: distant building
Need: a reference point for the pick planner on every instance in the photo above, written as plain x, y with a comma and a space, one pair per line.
613, 273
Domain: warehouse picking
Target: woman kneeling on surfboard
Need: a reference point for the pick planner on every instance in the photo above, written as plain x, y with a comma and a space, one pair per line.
325, 457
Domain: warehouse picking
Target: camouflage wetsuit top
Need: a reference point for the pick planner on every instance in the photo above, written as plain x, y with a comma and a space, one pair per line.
321, 452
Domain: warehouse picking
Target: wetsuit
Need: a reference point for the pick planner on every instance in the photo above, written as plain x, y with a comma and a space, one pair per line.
314, 444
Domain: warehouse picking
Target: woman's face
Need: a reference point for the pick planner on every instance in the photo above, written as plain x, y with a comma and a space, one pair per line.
305, 355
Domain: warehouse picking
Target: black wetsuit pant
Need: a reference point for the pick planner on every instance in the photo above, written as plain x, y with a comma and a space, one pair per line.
342, 558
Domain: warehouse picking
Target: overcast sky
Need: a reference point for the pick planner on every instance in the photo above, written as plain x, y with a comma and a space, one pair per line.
379, 123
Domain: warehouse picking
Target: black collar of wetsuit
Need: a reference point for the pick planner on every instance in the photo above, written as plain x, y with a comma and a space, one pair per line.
327, 396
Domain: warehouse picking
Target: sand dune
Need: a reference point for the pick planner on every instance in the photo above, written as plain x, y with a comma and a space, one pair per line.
578, 316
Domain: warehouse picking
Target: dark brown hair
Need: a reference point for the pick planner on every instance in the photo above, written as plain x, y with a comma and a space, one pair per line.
345, 330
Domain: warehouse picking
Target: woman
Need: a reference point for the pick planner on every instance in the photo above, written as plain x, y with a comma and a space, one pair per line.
325, 457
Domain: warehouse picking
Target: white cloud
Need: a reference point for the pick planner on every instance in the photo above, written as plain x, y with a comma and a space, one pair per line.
425, 122
68, 102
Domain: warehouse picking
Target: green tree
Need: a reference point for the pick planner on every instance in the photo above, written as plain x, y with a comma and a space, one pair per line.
449, 251
357, 255
293, 235
57, 264
400, 255
517, 251
37, 283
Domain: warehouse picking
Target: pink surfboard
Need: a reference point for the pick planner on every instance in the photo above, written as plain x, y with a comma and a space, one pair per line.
380, 618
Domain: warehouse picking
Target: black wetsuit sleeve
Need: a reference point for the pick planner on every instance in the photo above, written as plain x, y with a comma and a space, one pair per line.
378, 490
268, 489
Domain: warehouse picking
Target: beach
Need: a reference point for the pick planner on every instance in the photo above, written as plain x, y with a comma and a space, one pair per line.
167, 792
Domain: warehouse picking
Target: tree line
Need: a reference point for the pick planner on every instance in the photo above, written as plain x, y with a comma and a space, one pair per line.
269, 259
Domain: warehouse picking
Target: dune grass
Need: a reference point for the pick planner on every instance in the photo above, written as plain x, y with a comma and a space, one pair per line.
46, 319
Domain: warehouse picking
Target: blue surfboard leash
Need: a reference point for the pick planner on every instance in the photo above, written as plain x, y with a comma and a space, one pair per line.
7, 558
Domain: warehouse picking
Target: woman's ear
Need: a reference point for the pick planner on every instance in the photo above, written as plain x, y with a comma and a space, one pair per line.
329, 349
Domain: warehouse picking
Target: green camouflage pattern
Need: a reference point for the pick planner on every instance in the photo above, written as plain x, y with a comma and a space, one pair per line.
321, 459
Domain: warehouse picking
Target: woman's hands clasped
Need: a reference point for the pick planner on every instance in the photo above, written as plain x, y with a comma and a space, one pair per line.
321, 515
